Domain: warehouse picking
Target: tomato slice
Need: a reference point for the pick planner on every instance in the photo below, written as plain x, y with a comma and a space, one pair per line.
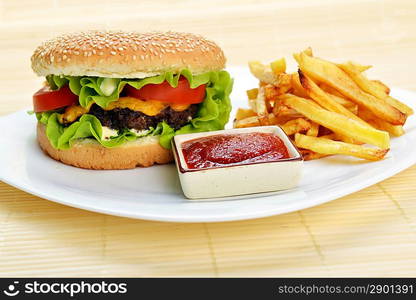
46, 99
182, 94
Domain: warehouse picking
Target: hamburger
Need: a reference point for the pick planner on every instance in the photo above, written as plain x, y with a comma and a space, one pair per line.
114, 100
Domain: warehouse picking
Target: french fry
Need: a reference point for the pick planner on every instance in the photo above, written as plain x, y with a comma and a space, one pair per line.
284, 84
344, 138
252, 94
278, 66
295, 126
347, 139
351, 106
310, 155
382, 86
330, 90
336, 96
247, 122
314, 130
326, 146
329, 73
339, 137
359, 67
270, 92
308, 51
253, 121
298, 89
252, 104
261, 108
324, 100
284, 113
243, 113
394, 130
337, 122
263, 72
266, 76
373, 88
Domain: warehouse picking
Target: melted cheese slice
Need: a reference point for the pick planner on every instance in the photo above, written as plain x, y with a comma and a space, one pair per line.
149, 107
72, 113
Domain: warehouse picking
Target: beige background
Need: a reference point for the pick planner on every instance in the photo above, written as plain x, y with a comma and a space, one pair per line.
369, 233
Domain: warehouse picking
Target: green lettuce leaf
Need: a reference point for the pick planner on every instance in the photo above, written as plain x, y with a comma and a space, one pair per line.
213, 112
88, 126
44, 116
89, 88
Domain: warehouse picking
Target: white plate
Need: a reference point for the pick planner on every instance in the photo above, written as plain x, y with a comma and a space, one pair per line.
155, 193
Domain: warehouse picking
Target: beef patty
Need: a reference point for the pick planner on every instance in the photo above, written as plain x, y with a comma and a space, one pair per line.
120, 118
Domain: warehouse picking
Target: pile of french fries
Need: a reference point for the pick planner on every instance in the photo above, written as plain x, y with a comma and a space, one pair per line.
324, 107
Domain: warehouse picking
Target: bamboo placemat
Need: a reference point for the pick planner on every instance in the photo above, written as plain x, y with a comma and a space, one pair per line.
368, 233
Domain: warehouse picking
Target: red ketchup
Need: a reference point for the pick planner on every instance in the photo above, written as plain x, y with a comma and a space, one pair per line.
233, 149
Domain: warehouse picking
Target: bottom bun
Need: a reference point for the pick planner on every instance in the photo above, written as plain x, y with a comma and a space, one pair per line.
89, 154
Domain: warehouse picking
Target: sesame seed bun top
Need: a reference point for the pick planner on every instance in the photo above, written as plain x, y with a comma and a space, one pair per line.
126, 54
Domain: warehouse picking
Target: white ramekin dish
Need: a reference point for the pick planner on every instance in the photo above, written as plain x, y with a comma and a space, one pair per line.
242, 179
